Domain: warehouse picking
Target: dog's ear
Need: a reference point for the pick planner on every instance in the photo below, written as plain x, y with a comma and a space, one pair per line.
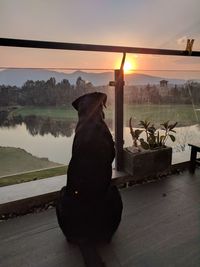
88, 100
76, 102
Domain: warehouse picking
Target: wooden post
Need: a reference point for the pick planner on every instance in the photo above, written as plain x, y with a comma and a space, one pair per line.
193, 156
119, 122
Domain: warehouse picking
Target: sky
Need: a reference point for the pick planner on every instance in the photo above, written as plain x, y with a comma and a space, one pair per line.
138, 23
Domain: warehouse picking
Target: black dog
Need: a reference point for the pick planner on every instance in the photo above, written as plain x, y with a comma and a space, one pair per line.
89, 208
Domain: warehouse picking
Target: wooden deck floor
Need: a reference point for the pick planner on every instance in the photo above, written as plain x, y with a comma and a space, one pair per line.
160, 227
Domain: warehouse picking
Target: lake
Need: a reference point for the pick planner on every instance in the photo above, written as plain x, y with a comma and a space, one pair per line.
45, 137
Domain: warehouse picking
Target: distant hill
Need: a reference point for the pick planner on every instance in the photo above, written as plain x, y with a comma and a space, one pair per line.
19, 76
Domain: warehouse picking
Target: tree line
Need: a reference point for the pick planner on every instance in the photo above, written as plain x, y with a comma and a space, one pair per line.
172, 94
43, 93
51, 93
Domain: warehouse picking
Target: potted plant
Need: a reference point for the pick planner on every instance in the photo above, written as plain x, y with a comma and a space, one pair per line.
149, 156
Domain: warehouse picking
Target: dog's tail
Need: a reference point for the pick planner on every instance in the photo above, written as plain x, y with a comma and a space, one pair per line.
90, 255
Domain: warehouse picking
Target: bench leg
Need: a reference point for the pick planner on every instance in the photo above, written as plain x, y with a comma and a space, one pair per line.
193, 156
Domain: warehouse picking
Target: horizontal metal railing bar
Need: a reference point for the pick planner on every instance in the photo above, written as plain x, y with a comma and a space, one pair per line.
92, 47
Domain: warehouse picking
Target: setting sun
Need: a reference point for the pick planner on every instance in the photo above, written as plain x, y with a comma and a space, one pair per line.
129, 66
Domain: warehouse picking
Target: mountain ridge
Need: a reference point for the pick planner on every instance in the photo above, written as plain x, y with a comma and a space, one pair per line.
19, 76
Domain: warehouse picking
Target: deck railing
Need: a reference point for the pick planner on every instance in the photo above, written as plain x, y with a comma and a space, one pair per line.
119, 77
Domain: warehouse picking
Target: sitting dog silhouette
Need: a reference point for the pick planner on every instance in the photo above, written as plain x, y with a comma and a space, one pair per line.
89, 207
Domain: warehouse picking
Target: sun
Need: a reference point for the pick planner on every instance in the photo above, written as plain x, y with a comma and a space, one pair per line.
128, 67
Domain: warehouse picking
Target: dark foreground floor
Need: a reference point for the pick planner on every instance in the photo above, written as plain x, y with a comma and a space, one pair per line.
160, 227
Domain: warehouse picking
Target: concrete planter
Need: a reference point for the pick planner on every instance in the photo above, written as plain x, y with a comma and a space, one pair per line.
147, 163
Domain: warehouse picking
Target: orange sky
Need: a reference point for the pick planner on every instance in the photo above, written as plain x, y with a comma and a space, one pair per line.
33, 58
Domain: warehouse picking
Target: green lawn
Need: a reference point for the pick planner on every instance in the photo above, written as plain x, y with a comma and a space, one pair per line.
183, 114
16, 160
32, 176
52, 112
18, 166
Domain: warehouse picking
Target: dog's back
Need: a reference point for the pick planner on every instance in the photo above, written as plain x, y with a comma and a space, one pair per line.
89, 206
90, 168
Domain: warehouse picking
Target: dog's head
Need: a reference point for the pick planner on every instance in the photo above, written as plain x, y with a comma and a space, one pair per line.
90, 104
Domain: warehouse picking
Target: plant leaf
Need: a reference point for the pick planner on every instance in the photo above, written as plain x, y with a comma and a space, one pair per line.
172, 137
144, 144
165, 124
172, 126
131, 128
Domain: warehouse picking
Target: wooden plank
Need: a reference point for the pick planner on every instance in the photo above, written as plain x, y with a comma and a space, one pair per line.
36, 240
160, 227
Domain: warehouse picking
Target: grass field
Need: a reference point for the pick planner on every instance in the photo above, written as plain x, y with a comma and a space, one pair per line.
183, 114
52, 112
16, 160
26, 166
32, 176
60, 113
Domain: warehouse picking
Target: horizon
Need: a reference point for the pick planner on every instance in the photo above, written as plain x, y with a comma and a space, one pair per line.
167, 74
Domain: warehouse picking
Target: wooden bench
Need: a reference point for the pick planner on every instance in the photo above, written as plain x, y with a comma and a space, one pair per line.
193, 157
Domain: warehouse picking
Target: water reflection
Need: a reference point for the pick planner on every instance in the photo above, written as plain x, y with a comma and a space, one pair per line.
37, 125
6, 120
41, 136
52, 138
42, 126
